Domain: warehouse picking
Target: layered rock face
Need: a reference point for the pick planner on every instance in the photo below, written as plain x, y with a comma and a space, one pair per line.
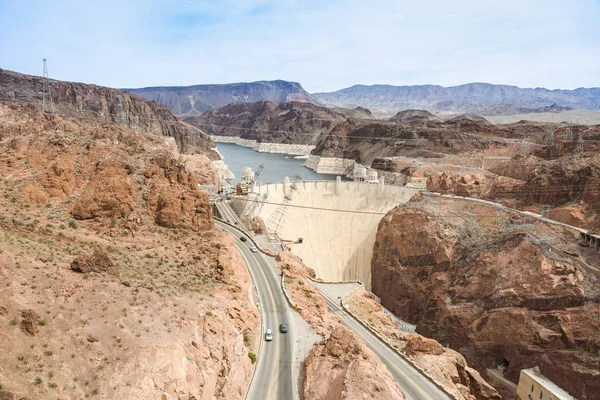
110, 266
363, 141
107, 105
269, 122
502, 298
196, 99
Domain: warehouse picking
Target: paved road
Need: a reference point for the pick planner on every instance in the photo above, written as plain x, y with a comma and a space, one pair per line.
228, 214
412, 382
274, 377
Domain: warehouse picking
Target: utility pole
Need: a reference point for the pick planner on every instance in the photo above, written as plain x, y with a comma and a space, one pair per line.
47, 103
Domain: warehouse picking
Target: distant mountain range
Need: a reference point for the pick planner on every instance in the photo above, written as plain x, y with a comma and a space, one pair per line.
194, 100
382, 100
471, 98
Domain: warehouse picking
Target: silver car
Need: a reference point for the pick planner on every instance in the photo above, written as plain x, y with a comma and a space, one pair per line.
269, 335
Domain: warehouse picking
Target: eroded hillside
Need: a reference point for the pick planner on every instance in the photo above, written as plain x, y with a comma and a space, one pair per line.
114, 281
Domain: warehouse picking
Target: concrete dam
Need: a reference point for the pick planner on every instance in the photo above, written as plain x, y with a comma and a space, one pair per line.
337, 244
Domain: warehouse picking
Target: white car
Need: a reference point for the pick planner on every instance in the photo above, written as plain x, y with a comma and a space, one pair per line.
269, 335
254, 249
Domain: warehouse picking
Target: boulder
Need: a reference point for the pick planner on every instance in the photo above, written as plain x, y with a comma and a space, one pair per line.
29, 322
99, 261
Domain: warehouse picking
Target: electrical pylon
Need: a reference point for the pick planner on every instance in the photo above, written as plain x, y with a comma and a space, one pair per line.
47, 103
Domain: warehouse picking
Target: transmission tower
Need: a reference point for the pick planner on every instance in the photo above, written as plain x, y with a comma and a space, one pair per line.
546, 210
550, 136
256, 205
274, 221
568, 134
47, 103
524, 148
417, 140
579, 146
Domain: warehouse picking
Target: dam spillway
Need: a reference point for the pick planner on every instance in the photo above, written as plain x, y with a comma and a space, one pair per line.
337, 221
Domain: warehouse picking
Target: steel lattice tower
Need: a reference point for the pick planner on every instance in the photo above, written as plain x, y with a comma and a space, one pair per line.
276, 218
579, 146
47, 103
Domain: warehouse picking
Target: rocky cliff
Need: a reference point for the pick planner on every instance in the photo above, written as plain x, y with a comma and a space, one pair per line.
114, 282
269, 122
504, 295
194, 100
106, 105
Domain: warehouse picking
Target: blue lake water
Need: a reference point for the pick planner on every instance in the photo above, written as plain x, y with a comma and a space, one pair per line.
277, 166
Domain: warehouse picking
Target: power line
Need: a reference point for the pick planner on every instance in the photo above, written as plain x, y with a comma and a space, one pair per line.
361, 211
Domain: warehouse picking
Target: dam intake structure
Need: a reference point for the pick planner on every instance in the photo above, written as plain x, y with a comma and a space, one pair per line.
337, 221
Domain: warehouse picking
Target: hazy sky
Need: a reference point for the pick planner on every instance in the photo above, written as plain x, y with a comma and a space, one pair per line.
323, 44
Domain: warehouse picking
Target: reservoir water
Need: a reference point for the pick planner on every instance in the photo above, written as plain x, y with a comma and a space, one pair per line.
277, 166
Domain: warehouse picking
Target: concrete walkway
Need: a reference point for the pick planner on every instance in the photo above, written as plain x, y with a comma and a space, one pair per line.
336, 291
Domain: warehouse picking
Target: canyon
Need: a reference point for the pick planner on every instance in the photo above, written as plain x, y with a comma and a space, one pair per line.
506, 291
110, 249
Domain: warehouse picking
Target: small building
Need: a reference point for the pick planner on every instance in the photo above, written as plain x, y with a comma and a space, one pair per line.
247, 175
535, 386
360, 174
372, 177
417, 182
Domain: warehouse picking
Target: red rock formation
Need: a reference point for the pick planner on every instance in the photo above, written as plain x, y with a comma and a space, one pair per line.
174, 198
341, 367
513, 303
108, 194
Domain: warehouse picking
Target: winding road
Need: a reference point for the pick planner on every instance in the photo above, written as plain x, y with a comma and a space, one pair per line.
414, 385
274, 377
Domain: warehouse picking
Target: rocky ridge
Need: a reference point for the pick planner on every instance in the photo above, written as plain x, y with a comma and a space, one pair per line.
106, 105
196, 99
471, 97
